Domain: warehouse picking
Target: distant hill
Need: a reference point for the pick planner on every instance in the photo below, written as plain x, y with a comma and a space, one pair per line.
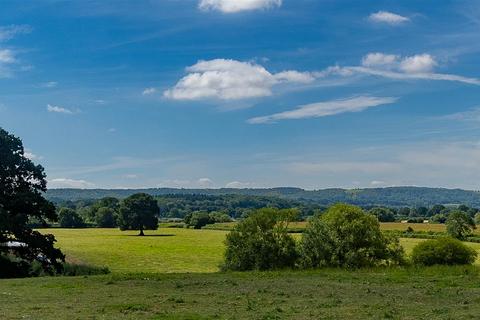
393, 196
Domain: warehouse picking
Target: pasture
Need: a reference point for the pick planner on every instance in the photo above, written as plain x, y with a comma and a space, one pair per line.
172, 274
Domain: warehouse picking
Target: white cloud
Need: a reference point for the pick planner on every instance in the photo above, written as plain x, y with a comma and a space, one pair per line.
239, 185
369, 167
149, 91
70, 183
9, 32
57, 109
7, 56
130, 176
230, 80
377, 183
416, 67
112, 130
388, 18
328, 108
421, 63
232, 6
378, 59
30, 155
205, 182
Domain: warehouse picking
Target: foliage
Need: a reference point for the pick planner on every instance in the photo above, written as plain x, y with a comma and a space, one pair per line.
138, 212
383, 214
198, 220
443, 251
69, 218
22, 184
261, 242
439, 218
346, 236
459, 224
106, 217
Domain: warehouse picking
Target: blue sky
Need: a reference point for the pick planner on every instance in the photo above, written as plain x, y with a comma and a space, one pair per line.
244, 93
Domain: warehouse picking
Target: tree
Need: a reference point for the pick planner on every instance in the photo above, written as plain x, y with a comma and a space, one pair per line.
459, 224
22, 184
436, 209
69, 218
346, 236
261, 242
138, 212
106, 218
383, 214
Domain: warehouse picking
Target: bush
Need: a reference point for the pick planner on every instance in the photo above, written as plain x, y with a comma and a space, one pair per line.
346, 236
446, 251
261, 242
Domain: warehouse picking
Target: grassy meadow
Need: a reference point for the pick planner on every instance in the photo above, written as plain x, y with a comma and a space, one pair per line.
172, 274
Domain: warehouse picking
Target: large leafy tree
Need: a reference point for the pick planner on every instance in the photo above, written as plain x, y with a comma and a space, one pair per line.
459, 224
22, 184
138, 212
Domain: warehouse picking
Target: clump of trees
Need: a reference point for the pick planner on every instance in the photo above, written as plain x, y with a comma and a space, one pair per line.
460, 225
198, 220
262, 242
345, 236
69, 218
445, 251
22, 185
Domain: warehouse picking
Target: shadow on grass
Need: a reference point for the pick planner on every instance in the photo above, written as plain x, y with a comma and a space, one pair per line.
149, 235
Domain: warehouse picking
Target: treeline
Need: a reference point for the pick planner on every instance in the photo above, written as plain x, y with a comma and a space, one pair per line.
390, 197
199, 210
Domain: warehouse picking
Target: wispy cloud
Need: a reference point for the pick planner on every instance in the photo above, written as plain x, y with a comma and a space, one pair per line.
7, 56
328, 108
49, 84
416, 67
233, 6
388, 18
470, 115
231, 80
57, 109
11, 31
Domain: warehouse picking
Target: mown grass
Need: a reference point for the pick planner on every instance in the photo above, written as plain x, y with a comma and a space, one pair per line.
403, 293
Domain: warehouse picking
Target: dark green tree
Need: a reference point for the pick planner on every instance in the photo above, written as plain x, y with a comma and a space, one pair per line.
22, 184
69, 218
106, 218
383, 214
460, 225
138, 212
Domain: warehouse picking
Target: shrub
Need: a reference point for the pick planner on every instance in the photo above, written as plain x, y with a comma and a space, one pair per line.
346, 236
447, 251
261, 242
459, 225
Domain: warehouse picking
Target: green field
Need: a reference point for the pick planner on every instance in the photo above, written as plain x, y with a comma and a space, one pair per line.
170, 274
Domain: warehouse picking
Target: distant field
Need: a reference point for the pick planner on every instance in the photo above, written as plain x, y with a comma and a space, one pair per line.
167, 250
425, 293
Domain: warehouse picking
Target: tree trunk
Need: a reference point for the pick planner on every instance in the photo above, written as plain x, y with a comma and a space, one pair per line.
141, 233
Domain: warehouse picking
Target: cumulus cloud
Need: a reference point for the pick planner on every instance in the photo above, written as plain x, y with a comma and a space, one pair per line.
30, 155
416, 67
149, 91
231, 80
388, 18
9, 32
323, 109
233, 6
70, 183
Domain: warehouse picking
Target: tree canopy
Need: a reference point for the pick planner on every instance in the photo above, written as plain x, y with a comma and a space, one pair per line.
138, 212
22, 184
